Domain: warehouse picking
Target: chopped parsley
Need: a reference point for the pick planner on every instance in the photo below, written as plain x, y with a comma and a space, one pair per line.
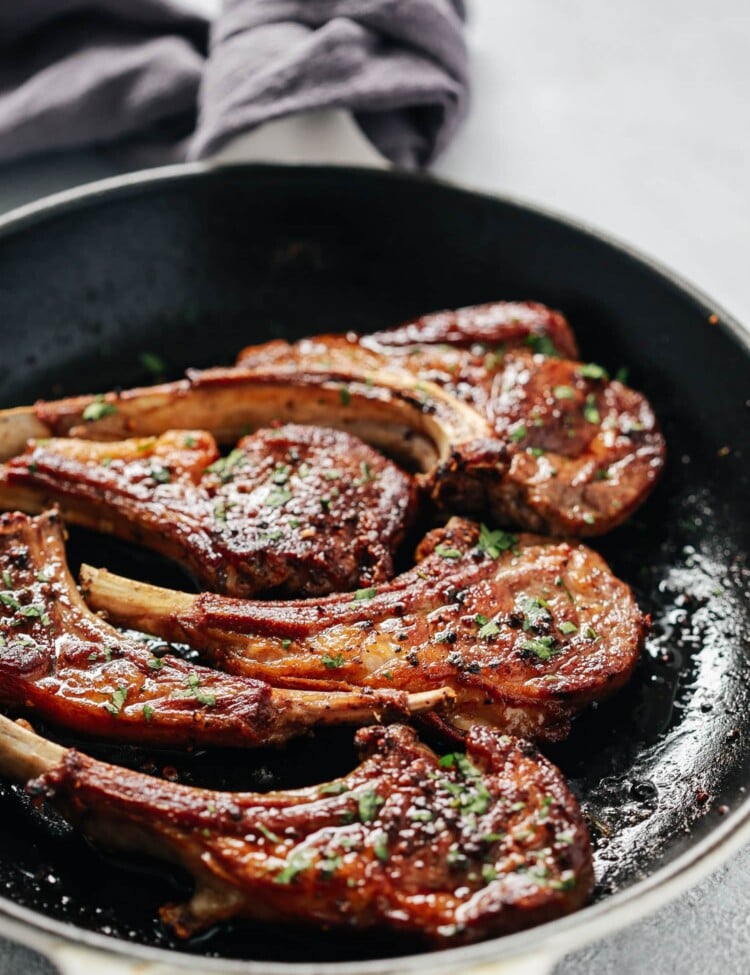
32, 612
518, 433
494, 542
487, 628
590, 370
332, 662
7, 579
265, 831
448, 553
590, 412
203, 697
543, 647
564, 392
277, 497
98, 410
345, 396
535, 451
535, 611
542, 344
226, 467
161, 475
368, 804
299, 861
471, 795
9, 600
153, 363
333, 789
364, 594
367, 474
116, 702
380, 847
567, 627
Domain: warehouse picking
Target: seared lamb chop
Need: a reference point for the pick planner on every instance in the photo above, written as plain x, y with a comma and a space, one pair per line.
510, 324
524, 630
301, 510
448, 850
62, 662
537, 442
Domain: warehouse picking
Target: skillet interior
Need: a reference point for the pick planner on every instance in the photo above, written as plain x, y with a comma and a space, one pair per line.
194, 268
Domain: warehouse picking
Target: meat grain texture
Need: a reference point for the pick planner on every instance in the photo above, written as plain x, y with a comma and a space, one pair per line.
299, 510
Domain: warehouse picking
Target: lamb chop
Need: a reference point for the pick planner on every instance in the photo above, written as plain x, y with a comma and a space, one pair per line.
525, 631
506, 430
62, 662
449, 850
300, 510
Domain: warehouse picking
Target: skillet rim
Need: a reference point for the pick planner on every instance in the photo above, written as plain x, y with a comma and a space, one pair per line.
553, 938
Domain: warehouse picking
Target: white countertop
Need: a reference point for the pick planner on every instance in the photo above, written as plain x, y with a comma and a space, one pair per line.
632, 117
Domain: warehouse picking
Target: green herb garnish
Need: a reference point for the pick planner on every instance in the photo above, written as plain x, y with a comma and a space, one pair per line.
590, 412
448, 553
116, 702
535, 611
365, 593
495, 542
543, 647
98, 410
277, 497
368, 804
152, 363
591, 370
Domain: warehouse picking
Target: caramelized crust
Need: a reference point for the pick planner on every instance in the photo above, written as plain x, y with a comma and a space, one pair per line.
494, 421
62, 662
524, 630
509, 324
295, 509
448, 850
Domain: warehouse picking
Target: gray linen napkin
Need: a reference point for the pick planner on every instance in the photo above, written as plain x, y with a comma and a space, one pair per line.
81, 72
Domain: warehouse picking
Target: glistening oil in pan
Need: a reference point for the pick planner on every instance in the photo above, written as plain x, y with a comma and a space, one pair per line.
187, 267
648, 765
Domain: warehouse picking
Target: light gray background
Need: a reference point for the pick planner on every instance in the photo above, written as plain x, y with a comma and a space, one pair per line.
634, 117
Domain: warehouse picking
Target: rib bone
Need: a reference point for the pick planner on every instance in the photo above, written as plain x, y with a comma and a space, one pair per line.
62, 662
525, 631
450, 851
535, 441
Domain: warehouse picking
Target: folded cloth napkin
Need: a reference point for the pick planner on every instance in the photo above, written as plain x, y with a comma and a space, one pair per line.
79, 72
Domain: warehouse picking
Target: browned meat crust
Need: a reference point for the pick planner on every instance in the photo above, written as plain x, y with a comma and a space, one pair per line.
507, 323
300, 510
496, 423
64, 663
449, 850
526, 631
566, 450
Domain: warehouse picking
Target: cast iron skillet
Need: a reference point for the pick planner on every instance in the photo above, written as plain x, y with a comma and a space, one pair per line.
191, 264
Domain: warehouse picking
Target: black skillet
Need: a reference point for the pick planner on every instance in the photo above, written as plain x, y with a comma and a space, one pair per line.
189, 264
